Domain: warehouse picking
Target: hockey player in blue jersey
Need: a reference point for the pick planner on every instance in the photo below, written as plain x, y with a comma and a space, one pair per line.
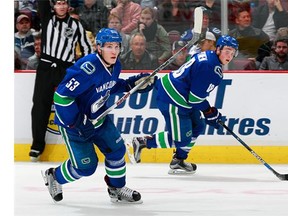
79, 99
180, 93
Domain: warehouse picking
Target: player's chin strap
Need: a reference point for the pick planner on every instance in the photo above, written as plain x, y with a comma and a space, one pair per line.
198, 19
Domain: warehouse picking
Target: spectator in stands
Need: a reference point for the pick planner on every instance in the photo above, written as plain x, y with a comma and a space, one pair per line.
109, 4
279, 59
207, 43
93, 15
266, 49
188, 34
23, 39
138, 58
33, 61
148, 3
180, 59
157, 38
17, 61
115, 22
233, 7
269, 17
249, 38
211, 5
129, 12
174, 15
29, 8
75, 3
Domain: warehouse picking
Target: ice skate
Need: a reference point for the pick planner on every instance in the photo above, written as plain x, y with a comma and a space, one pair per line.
124, 195
180, 167
130, 151
54, 188
139, 143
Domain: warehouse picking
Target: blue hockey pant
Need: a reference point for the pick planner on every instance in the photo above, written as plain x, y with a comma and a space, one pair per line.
182, 129
83, 159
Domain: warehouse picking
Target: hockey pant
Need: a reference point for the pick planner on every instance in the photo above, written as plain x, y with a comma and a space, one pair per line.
83, 159
182, 129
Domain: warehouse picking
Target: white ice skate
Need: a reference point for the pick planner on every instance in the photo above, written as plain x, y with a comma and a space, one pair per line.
124, 195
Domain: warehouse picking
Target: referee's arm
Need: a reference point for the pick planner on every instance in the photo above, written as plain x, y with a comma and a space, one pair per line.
85, 43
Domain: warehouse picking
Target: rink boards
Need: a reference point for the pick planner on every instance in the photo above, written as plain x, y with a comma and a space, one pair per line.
252, 102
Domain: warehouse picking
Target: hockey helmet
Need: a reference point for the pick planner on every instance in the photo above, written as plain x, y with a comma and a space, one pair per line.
227, 40
108, 35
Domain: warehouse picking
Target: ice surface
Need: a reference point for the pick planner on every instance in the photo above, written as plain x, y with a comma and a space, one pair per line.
215, 190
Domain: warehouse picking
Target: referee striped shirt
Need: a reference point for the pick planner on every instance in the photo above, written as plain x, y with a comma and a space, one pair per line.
60, 36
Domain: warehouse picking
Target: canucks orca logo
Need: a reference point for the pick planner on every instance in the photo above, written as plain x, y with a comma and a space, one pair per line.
68, 32
51, 127
100, 102
218, 71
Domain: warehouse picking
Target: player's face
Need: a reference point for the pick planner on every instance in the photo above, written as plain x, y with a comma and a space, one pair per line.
110, 52
226, 54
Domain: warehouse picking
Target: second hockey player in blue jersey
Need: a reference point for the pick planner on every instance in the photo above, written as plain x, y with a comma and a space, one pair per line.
79, 99
182, 91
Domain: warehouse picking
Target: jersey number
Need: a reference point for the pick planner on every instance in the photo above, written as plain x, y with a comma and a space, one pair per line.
72, 84
181, 70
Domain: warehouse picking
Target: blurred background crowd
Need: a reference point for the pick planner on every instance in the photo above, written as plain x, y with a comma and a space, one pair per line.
154, 30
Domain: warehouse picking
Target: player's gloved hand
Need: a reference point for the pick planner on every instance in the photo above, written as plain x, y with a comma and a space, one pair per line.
212, 117
135, 80
84, 127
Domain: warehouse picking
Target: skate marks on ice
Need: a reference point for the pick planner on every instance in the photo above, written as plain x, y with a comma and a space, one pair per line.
222, 190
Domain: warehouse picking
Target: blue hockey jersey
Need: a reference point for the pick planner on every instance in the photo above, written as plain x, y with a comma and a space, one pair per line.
85, 89
191, 84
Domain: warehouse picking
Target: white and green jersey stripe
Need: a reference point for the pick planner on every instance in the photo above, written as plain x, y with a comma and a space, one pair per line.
189, 86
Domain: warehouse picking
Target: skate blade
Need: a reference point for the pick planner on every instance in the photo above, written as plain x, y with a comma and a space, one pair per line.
44, 177
46, 184
130, 153
180, 172
117, 201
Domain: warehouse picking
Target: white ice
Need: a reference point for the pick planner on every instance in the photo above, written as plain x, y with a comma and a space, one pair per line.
215, 190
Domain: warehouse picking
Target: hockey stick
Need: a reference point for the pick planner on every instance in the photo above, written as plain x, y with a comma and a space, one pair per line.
280, 176
198, 14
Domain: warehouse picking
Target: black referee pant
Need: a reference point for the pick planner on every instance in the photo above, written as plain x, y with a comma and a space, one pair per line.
48, 77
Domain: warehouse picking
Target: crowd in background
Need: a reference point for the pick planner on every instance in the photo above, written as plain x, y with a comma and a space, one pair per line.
151, 28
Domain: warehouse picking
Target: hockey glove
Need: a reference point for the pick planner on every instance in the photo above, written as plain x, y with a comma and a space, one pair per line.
84, 127
135, 80
212, 117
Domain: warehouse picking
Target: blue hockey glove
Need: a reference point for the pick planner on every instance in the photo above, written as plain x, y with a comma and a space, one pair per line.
84, 127
135, 80
212, 117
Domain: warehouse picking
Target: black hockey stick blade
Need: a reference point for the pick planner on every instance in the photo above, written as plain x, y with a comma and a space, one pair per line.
283, 177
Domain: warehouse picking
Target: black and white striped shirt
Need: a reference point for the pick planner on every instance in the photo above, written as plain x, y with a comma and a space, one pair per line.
60, 36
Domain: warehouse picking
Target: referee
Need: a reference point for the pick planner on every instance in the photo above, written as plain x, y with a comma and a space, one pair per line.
60, 34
